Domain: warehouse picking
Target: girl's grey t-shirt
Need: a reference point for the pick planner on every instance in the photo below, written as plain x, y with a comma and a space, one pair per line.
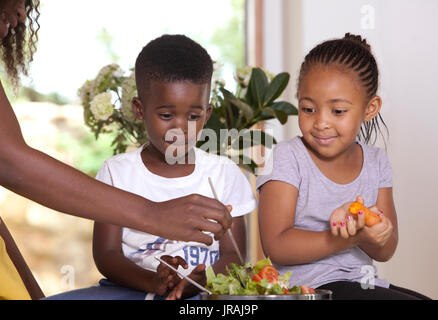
318, 197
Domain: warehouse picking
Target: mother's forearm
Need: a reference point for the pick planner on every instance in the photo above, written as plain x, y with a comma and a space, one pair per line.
56, 185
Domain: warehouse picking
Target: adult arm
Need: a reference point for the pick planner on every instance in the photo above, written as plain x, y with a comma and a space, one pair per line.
281, 241
43, 179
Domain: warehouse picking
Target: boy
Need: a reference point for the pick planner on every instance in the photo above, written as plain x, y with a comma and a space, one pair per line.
173, 77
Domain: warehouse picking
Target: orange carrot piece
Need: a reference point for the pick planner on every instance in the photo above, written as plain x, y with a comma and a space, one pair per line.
370, 217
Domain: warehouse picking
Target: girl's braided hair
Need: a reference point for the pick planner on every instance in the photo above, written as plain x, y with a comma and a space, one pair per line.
18, 47
350, 53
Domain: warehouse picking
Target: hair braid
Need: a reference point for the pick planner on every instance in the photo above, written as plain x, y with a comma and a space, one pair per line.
353, 53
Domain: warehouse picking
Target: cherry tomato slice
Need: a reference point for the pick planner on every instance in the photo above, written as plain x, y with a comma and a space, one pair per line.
257, 278
270, 273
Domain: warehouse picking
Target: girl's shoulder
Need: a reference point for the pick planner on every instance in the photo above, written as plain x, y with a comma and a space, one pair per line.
373, 153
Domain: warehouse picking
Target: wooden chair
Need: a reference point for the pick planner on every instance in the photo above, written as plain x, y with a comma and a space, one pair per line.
15, 255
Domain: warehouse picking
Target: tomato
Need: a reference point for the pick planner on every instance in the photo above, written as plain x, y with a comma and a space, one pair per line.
257, 278
270, 273
307, 290
286, 291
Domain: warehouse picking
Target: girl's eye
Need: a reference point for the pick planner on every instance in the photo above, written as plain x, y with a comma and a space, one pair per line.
339, 111
307, 110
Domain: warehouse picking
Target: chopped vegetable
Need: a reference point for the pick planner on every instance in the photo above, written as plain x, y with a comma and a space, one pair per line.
260, 279
370, 217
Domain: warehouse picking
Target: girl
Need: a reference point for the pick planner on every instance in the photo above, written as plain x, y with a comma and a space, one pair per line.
303, 211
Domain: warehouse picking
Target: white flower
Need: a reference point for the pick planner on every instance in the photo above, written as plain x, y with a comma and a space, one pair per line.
129, 91
101, 106
86, 92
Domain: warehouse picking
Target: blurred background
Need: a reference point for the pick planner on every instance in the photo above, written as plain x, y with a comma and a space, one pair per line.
75, 41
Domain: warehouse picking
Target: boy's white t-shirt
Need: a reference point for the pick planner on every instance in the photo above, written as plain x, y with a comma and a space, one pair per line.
127, 171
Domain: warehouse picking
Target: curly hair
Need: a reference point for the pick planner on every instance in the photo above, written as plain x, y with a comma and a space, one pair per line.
18, 47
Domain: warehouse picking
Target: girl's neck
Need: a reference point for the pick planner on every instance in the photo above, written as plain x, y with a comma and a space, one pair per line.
155, 162
342, 169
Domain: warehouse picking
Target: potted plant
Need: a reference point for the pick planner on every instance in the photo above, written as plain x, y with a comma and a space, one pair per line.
107, 109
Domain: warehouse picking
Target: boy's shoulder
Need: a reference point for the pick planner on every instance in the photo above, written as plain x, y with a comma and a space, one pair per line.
124, 158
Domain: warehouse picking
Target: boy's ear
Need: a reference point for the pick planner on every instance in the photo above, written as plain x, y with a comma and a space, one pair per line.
208, 112
137, 108
373, 108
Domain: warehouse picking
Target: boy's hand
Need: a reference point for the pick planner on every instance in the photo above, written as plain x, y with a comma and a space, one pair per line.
198, 275
165, 278
187, 217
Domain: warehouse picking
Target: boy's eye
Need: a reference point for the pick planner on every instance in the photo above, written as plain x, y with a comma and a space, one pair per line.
165, 116
194, 117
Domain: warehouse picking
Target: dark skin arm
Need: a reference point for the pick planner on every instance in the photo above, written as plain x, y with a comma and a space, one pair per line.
45, 180
20, 264
111, 262
227, 255
281, 241
285, 244
380, 241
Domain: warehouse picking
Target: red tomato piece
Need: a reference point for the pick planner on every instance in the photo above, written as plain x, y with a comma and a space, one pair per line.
257, 278
307, 290
270, 273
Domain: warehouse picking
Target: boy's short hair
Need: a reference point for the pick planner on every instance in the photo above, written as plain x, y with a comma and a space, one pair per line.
172, 58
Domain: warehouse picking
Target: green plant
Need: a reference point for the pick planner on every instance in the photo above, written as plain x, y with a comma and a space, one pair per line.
107, 109
255, 100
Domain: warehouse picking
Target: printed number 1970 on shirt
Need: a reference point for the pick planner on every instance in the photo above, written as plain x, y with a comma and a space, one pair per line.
200, 255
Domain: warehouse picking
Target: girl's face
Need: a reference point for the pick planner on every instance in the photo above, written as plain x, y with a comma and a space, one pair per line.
175, 111
332, 107
12, 12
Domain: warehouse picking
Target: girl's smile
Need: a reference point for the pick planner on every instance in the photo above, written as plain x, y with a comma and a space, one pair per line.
331, 110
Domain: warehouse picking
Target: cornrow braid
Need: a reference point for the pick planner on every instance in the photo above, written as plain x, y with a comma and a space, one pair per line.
352, 53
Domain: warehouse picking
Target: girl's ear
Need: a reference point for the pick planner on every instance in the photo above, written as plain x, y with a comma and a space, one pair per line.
373, 108
137, 108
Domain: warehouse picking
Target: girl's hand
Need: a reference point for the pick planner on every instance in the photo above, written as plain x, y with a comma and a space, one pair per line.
165, 278
198, 275
342, 222
379, 233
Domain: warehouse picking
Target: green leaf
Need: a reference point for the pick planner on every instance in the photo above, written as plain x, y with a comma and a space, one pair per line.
281, 116
285, 107
248, 113
276, 87
258, 83
227, 94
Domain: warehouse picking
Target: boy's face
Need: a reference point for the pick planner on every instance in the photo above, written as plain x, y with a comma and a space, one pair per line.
170, 109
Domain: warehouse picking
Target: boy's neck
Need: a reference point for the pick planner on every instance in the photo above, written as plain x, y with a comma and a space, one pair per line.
155, 162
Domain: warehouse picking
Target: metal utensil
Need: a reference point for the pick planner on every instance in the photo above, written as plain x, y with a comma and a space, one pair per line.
183, 276
230, 233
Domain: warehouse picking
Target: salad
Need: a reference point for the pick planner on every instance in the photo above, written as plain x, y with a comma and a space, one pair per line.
260, 279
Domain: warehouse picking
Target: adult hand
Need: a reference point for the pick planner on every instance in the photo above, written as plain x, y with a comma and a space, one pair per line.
187, 218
